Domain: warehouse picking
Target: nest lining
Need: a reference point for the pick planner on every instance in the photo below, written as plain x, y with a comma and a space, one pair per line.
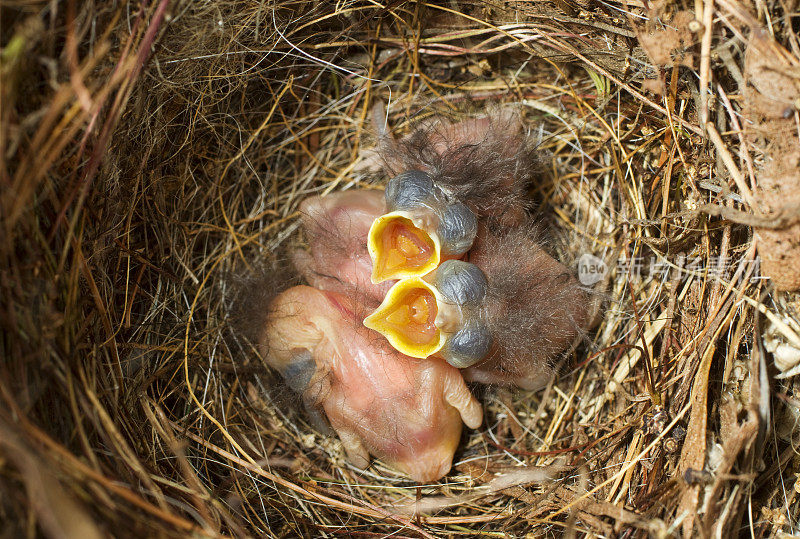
154, 153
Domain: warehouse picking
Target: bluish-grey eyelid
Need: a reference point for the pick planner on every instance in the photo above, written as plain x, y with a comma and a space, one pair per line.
409, 190
468, 345
461, 283
299, 371
457, 229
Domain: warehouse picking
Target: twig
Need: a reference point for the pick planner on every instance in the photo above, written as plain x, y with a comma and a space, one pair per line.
730, 165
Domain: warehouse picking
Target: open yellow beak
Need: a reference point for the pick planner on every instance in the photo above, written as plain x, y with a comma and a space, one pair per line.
407, 318
401, 248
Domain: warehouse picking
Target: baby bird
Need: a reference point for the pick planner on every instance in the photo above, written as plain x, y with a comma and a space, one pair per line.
447, 267
379, 402
406, 411
486, 162
445, 179
535, 308
336, 227
458, 192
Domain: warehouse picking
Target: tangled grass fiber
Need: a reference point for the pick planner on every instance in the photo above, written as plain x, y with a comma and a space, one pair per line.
153, 152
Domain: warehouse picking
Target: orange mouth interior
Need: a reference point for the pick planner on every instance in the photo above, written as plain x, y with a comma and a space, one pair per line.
404, 249
412, 317
407, 318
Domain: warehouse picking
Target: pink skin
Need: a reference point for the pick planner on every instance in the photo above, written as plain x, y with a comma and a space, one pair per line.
337, 226
405, 411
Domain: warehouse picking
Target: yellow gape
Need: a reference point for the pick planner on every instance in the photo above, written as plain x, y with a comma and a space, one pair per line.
400, 249
407, 318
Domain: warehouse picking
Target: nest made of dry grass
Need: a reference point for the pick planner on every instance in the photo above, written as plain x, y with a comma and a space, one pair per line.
153, 152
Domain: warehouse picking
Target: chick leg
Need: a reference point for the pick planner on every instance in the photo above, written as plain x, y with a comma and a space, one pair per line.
305, 266
529, 381
458, 395
357, 453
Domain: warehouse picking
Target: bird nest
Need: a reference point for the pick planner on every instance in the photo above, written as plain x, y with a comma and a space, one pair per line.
155, 153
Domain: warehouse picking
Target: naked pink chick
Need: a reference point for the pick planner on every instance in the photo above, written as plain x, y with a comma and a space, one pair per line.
336, 226
405, 411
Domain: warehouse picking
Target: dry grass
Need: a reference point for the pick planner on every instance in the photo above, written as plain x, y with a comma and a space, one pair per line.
153, 152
